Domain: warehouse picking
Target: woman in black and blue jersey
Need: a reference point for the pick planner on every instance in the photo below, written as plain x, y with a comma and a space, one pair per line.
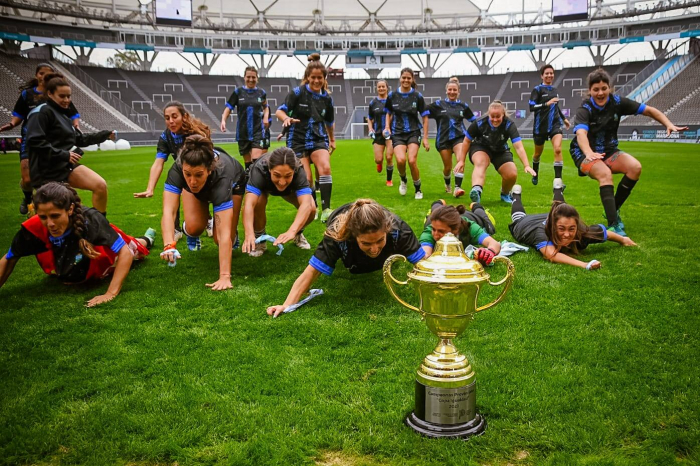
376, 120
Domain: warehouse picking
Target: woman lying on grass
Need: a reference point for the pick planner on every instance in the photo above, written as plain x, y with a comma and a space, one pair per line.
560, 232
363, 235
75, 243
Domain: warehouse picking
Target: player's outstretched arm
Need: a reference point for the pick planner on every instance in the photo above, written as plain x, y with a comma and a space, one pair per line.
522, 155
153, 177
123, 265
659, 116
619, 239
549, 253
6, 268
301, 286
251, 200
223, 221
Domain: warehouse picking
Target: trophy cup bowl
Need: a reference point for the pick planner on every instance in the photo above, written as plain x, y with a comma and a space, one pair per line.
448, 285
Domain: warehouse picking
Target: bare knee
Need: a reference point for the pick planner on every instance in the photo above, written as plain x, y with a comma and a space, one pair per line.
634, 171
100, 187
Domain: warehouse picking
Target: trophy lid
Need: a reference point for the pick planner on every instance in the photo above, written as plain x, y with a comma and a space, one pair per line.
448, 264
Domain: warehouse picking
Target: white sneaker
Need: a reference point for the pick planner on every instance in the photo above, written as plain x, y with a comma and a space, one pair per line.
260, 248
210, 227
178, 235
301, 242
517, 189
558, 183
419, 195
403, 188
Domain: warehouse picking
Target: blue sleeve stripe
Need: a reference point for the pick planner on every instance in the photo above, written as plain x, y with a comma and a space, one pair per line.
225, 206
304, 191
118, 245
472, 118
605, 232
543, 244
162, 155
483, 237
253, 189
468, 136
9, 254
316, 263
229, 106
416, 256
15, 114
580, 126
425, 113
641, 109
283, 107
425, 243
173, 189
518, 139
75, 117
531, 102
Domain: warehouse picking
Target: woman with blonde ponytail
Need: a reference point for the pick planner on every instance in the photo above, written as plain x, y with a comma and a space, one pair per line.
362, 234
75, 243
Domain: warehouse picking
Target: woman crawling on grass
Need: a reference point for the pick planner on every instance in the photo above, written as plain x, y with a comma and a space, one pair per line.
75, 243
560, 232
363, 235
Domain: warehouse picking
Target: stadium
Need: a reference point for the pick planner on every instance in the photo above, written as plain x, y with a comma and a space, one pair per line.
575, 365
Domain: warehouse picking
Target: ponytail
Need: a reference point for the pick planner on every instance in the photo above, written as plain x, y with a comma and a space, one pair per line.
364, 216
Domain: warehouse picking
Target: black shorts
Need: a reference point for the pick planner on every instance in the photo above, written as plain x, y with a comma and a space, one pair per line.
405, 139
265, 142
497, 159
449, 144
379, 139
305, 150
540, 139
245, 147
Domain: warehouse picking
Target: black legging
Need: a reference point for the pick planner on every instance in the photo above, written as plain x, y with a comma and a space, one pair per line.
517, 209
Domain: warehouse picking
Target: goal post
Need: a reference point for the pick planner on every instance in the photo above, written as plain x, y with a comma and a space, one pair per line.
357, 130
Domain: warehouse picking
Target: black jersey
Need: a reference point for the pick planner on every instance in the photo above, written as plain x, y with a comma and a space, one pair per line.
30, 98
407, 110
169, 144
602, 123
251, 104
220, 184
314, 112
449, 116
50, 138
377, 113
494, 138
69, 263
548, 118
530, 231
260, 180
400, 240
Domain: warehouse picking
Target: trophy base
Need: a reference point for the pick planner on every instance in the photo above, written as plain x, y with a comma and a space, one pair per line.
476, 426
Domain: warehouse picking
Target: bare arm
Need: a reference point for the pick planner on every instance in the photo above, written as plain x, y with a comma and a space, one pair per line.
462, 157
492, 244
13, 122
251, 200
171, 202
659, 116
582, 139
124, 260
223, 221
6, 268
561, 258
301, 286
266, 116
428, 250
306, 208
426, 141
224, 117
387, 126
619, 239
370, 125
522, 155
156, 171
331, 138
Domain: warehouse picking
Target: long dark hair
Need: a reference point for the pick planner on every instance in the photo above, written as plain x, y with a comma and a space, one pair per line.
451, 216
34, 82
363, 216
63, 196
283, 156
563, 210
53, 81
190, 125
197, 151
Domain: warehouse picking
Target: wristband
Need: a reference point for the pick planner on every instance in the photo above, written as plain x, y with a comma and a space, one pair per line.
590, 264
170, 246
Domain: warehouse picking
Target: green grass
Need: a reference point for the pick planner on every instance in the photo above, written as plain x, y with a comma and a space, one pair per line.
574, 367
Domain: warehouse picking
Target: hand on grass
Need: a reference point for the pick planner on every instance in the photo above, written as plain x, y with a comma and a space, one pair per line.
101, 299
274, 311
143, 195
223, 283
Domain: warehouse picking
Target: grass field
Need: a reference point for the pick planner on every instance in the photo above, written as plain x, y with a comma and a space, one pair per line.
575, 367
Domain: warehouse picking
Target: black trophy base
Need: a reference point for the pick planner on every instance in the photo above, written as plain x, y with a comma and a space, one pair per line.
476, 426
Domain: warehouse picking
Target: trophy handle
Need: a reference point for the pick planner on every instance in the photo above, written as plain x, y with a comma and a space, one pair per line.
388, 278
508, 280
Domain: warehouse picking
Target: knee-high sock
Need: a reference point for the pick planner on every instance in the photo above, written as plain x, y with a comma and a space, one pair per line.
517, 209
536, 165
458, 179
326, 187
607, 196
27, 195
448, 179
389, 172
623, 191
558, 167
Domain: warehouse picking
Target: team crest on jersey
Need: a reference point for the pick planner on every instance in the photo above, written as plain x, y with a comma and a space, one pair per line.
615, 118
259, 99
323, 112
461, 113
78, 258
413, 105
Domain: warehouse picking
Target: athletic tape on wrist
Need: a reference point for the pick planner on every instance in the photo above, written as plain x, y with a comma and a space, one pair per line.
176, 255
312, 294
590, 264
271, 239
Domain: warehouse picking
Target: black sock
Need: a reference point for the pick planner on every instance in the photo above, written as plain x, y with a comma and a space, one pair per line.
536, 166
403, 178
558, 167
458, 179
607, 196
313, 193
448, 179
416, 184
559, 195
389, 172
326, 188
623, 191
27, 196
517, 205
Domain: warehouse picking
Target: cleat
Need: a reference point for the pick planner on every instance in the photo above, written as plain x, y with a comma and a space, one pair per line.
458, 192
475, 195
507, 198
390, 183
517, 189
558, 184
301, 242
210, 227
194, 243
178, 235
448, 189
379, 168
236, 243
402, 188
419, 195
260, 248
619, 220
535, 180
23, 207
325, 214
617, 228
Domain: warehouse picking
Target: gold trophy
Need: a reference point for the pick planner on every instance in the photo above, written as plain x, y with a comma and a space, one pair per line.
448, 284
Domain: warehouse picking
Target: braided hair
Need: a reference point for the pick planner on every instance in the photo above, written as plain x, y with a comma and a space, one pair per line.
63, 196
364, 216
